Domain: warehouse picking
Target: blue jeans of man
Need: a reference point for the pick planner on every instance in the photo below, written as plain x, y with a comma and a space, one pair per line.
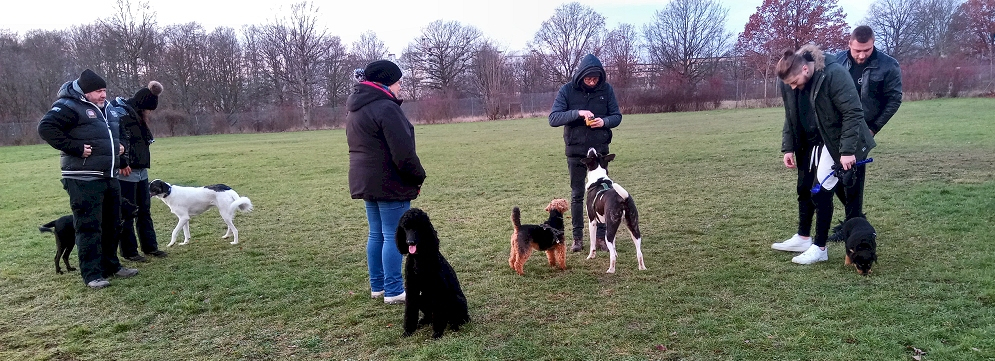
382, 256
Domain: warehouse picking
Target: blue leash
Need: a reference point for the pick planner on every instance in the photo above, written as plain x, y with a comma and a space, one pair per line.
818, 187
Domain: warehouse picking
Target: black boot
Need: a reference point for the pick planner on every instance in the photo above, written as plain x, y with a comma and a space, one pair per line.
578, 244
600, 244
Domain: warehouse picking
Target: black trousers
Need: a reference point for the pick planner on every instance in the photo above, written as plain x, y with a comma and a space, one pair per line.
136, 213
578, 175
852, 197
818, 205
96, 208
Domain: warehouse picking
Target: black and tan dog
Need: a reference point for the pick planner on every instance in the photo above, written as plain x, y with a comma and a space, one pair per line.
429, 281
65, 239
861, 243
547, 237
609, 203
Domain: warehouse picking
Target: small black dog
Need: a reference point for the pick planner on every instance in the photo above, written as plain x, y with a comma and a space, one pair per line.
861, 243
65, 239
429, 281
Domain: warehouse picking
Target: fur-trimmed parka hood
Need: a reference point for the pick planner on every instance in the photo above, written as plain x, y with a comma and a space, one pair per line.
811, 52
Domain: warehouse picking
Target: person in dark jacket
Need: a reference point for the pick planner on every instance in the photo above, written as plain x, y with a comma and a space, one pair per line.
86, 131
587, 110
823, 127
384, 170
134, 178
878, 79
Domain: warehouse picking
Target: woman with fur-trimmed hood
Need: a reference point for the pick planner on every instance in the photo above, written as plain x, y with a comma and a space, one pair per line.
823, 127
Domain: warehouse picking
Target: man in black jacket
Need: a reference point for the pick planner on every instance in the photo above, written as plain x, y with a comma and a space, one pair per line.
878, 79
587, 110
86, 130
134, 178
823, 127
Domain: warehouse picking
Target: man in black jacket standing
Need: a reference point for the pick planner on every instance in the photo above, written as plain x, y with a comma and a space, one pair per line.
587, 110
134, 178
86, 130
878, 79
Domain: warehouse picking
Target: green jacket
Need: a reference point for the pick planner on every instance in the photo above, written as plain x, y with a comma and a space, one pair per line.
837, 107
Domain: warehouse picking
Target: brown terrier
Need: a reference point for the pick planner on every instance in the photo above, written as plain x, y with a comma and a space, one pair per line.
544, 237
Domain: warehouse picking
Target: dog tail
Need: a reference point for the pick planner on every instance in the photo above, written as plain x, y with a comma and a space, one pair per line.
242, 204
516, 218
47, 227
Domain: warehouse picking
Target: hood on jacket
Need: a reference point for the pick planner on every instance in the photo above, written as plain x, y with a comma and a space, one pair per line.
590, 64
811, 52
71, 90
365, 93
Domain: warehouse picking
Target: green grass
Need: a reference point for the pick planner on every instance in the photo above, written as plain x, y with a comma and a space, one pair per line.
712, 194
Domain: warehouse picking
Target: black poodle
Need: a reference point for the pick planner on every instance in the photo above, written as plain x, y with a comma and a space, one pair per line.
429, 281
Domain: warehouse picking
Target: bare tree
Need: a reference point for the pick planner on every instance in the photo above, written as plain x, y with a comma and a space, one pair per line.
444, 53
224, 80
338, 72
414, 78
688, 37
132, 31
296, 50
573, 31
531, 73
492, 78
621, 55
183, 69
895, 26
934, 22
368, 48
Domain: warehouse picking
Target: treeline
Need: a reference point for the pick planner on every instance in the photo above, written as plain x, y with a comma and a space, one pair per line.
291, 73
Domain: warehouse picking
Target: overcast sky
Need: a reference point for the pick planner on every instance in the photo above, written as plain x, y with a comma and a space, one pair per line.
511, 23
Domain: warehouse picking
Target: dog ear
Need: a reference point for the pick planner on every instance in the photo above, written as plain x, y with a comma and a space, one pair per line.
401, 240
588, 161
609, 158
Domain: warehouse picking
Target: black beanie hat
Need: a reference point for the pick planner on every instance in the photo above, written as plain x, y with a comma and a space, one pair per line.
90, 81
148, 97
382, 71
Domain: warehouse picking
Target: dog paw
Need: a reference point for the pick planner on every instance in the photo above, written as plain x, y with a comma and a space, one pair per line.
70, 269
225, 236
611, 270
59, 271
184, 243
234, 242
642, 268
591, 255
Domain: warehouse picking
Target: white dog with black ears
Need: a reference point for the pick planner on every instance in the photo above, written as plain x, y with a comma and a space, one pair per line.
186, 202
608, 203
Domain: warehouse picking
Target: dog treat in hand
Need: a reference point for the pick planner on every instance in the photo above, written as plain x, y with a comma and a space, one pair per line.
589, 121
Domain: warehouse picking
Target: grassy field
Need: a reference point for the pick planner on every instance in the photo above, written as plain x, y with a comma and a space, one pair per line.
712, 195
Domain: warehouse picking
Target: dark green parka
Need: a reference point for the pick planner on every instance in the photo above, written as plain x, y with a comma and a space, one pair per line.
837, 107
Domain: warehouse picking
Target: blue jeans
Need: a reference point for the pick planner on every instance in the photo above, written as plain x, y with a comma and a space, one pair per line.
382, 256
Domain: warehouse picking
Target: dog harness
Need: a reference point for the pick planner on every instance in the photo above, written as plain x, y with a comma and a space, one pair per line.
605, 184
558, 234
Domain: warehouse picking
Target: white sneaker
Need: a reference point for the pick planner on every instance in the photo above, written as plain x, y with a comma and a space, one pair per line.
393, 300
794, 244
376, 294
812, 255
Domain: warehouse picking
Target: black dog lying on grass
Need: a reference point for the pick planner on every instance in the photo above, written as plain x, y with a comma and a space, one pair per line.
861, 243
430, 283
65, 239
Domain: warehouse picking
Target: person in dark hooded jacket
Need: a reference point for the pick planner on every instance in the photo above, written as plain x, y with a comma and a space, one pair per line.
86, 130
587, 110
134, 178
384, 170
824, 129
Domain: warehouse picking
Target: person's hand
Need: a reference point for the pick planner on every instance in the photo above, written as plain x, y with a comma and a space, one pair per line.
126, 171
120, 149
874, 134
848, 161
597, 123
87, 150
789, 160
586, 114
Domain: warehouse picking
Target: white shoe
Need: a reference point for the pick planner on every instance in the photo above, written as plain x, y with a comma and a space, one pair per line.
394, 299
794, 244
812, 255
376, 294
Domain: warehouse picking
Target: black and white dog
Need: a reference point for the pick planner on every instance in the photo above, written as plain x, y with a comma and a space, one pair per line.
609, 203
186, 202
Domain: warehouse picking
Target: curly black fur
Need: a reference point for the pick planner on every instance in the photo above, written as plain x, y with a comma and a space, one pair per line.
429, 281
